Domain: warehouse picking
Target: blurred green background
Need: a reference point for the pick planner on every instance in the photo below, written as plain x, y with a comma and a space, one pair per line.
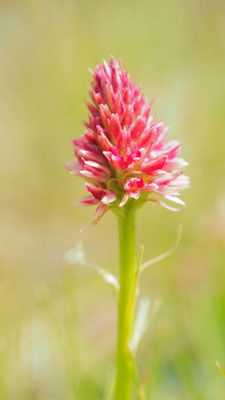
58, 322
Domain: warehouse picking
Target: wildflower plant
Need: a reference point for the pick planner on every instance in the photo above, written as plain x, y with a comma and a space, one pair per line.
126, 160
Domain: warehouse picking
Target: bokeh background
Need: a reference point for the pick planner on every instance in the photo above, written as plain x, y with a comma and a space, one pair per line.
57, 322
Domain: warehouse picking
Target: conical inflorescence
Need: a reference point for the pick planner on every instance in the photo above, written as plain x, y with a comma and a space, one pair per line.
125, 155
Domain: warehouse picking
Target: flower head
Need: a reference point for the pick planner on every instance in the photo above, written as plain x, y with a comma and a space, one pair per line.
124, 155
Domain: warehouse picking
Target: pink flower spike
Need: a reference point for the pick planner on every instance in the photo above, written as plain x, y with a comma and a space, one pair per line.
125, 154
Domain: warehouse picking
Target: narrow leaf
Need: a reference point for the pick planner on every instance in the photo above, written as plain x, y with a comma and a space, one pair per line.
135, 282
76, 256
220, 368
140, 324
164, 255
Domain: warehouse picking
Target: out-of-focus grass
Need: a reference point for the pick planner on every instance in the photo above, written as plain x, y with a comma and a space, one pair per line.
57, 323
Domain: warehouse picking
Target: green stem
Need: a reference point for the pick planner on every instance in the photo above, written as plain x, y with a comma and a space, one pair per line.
123, 386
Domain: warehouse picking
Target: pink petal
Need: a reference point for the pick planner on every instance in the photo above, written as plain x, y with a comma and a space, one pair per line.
105, 196
86, 201
152, 165
124, 200
100, 211
97, 165
109, 197
135, 195
175, 199
161, 203
175, 164
90, 155
97, 193
151, 187
181, 182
